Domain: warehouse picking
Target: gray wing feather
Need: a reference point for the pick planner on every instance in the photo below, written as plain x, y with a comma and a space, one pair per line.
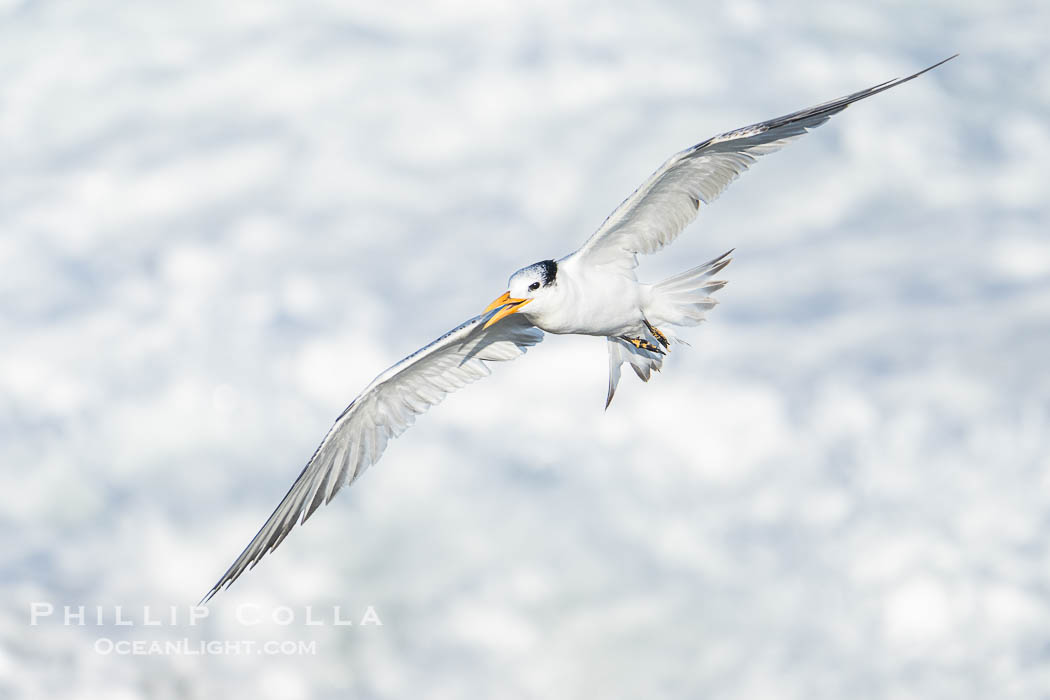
384, 410
669, 200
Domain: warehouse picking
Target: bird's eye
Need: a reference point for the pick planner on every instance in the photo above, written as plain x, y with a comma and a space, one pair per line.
534, 286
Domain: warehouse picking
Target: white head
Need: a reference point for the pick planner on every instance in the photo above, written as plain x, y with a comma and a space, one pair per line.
527, 285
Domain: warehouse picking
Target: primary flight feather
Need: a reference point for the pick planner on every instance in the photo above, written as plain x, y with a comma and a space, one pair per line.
592, 291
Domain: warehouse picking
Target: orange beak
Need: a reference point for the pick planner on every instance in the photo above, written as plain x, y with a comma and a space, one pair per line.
509, 306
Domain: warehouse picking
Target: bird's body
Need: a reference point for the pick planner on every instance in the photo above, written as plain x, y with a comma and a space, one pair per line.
592, 291
587, 300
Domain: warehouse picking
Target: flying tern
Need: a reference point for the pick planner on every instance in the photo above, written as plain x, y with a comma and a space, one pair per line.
592, 291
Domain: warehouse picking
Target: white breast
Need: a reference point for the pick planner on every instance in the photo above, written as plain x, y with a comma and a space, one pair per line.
590, 300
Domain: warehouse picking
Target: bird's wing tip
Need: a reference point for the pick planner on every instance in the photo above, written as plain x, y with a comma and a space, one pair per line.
942, 61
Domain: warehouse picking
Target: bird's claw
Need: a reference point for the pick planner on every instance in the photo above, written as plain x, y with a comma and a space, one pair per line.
657, 334
644, 345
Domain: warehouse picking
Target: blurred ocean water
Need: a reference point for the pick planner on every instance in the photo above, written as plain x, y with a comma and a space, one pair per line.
219, 222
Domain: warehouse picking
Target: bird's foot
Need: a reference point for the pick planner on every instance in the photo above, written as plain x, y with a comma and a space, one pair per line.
657, 334
644, 345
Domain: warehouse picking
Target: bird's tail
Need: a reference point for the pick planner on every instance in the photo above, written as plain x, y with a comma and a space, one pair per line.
682, 300
642, 360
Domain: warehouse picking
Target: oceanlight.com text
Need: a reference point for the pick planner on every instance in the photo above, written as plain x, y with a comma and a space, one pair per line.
199, 647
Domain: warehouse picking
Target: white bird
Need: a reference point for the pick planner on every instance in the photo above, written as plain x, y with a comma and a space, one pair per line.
592, 291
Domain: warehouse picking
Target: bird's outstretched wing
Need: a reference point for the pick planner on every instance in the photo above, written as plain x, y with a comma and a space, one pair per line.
384, 410
669, 200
